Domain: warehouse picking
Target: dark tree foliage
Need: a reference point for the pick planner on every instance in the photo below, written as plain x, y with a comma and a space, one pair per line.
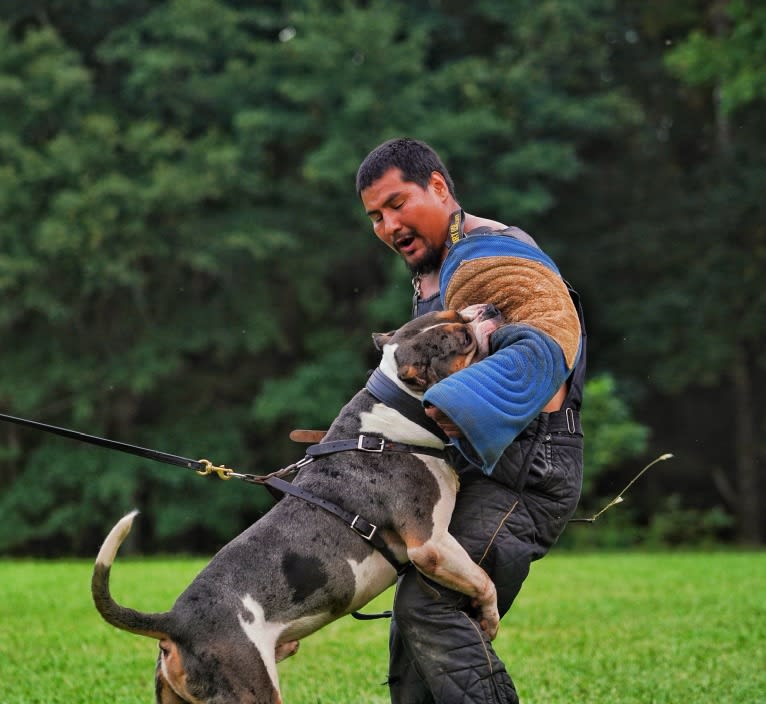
186, 266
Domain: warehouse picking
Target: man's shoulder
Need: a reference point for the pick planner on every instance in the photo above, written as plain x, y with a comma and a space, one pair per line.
475, 225
473, 222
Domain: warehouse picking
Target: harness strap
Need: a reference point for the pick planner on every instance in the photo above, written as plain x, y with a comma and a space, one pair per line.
369, 443
386, 391
362, 527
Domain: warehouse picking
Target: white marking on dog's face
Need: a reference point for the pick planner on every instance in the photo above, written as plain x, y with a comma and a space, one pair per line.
263, 635
385, 421
389, 366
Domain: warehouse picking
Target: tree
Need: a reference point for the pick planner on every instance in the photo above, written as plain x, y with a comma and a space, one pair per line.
189, 265
673, 249
725, 61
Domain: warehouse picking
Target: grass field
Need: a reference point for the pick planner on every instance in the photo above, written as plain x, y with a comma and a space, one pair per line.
601, 629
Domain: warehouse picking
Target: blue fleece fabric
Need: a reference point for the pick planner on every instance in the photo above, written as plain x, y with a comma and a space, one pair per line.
492, 401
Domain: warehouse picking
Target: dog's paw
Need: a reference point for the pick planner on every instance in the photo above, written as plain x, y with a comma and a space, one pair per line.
488, 615
489, 620
285, 650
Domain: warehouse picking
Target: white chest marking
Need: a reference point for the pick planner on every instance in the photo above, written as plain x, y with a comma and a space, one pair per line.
393, 425
372, 576
263, 635
448, 482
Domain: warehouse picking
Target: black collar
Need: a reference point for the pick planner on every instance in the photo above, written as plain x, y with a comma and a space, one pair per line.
386, 391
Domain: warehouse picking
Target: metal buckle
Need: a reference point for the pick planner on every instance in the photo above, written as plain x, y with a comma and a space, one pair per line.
359, 532
571, 427
360, 444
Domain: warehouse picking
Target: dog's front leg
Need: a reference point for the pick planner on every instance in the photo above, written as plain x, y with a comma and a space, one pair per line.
445, 561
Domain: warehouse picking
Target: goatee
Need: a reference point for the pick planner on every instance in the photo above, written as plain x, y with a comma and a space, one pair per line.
429, 263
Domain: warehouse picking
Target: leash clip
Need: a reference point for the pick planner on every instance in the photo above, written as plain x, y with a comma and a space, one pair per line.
359, 531
360, 444
222, 472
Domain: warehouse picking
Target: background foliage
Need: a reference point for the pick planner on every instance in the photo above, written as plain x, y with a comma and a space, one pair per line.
186, 266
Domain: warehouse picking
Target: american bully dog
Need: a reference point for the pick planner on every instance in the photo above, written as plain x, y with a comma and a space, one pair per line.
300, 567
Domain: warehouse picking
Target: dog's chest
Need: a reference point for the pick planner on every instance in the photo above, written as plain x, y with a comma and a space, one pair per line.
366, 415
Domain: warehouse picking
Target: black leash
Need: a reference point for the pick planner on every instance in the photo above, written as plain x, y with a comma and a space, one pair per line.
202, 467
362, 443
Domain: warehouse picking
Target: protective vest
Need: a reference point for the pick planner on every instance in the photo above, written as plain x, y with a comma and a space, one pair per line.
577, 379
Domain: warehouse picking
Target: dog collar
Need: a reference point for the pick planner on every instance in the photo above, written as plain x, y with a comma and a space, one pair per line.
387, 392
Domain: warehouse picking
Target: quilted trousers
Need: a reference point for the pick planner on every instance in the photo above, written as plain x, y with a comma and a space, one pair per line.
438, 652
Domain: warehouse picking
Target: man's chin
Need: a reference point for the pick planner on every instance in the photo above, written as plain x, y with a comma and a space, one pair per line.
428, 263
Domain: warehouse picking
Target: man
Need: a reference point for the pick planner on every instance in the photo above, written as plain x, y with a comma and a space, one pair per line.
514, 416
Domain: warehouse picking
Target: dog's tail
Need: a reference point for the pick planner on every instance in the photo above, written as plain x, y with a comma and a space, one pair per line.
152, 625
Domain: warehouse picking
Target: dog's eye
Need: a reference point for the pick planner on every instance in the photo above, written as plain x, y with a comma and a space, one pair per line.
468, 337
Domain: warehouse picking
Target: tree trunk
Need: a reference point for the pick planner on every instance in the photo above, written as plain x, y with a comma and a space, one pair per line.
746, 450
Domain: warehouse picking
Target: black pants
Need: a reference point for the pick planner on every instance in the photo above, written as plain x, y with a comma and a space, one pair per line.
438, 652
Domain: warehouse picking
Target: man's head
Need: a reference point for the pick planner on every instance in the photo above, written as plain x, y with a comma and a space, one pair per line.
408, 194
415, 159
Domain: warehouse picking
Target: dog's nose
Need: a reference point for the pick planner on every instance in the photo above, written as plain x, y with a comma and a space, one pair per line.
490, 311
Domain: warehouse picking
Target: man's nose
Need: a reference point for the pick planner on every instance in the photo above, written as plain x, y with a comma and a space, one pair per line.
391, 225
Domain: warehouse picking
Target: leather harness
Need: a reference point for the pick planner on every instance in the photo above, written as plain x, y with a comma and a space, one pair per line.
361, 526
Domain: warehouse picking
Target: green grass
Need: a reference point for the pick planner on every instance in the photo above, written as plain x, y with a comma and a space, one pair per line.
602, 629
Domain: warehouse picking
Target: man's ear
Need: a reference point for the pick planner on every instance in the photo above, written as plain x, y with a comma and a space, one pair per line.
380, 339
438, 184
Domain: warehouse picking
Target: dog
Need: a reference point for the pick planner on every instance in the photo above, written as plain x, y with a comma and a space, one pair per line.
299, 567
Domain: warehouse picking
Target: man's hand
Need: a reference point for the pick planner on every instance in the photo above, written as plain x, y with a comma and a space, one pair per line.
443, 421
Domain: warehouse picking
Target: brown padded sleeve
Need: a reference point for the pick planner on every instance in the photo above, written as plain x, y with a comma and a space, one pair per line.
526, 292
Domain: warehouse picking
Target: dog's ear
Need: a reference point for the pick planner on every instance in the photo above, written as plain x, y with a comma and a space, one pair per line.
380, 339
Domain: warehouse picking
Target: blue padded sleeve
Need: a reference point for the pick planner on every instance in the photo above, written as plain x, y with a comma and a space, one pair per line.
492, 401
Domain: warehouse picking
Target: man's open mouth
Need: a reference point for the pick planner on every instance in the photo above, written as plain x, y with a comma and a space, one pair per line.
404, 242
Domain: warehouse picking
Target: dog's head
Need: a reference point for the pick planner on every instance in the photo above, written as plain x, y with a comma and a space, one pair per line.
435, 345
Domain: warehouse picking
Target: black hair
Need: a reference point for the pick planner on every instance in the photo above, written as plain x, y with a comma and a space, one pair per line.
416, 160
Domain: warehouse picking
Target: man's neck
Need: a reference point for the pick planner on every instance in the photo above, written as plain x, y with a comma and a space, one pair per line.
474, 221
428, 284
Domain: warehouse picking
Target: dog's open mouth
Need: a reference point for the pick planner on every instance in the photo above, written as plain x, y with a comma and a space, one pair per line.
483, 319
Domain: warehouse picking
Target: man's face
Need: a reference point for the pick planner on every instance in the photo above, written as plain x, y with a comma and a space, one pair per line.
413, 221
